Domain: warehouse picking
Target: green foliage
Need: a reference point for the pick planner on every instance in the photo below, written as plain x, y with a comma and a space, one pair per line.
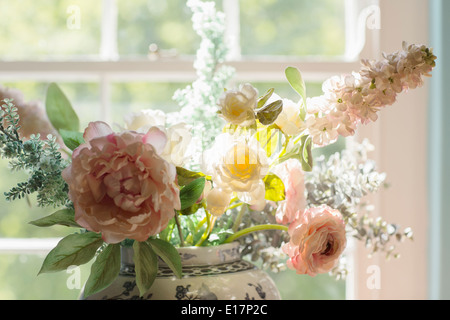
59, 110
190, 193
41, 159
274, 187
269, 113
145, 259
302, 151
74, 249
104, 270
269, 138
168, 254
64, 217
71, 139
146, 265
263, 99
185, 176
306, 156
295, 79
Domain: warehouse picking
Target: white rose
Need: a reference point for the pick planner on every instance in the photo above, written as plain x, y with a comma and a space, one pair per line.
238, 106
179, 137
235, 165
178, 145
289, 120
145, 119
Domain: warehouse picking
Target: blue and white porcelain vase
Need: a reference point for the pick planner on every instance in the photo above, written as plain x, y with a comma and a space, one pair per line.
209, 273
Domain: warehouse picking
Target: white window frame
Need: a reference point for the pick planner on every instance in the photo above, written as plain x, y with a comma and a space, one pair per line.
375, 35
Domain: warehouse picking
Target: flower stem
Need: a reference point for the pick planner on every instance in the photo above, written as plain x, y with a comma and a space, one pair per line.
260, 227
180, 233
209, 226
238, 219
235, 205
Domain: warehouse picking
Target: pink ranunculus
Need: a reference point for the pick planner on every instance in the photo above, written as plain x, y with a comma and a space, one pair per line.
317, 239
120, 186
291, 173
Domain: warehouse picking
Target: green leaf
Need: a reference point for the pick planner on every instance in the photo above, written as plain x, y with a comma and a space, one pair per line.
191, 210
274, 187
104, 270
59, 110
71, 139
168, 254
268, 114
269, 138
306, 153
75, 249
295, 79
145, 265
185, 176
301, 151
64, 217
262, 101
191, 192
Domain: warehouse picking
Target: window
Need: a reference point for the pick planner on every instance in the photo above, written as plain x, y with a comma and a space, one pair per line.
98, 51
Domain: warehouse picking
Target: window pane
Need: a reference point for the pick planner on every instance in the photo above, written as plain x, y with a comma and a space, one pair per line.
19, 280
130, 97
294, 286
292, 27
49, 29
15, 215
166, 23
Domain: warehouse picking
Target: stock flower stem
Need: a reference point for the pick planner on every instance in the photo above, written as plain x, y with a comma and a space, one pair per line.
260, 227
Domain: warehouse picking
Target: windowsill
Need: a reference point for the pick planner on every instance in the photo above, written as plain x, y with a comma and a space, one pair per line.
180, 69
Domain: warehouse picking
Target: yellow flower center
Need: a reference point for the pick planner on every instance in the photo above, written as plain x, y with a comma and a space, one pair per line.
242, 163
235, 107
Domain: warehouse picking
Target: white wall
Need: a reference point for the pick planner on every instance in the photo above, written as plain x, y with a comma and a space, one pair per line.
400, 138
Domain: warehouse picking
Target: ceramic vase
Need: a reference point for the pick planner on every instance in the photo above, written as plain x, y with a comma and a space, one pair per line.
209, 273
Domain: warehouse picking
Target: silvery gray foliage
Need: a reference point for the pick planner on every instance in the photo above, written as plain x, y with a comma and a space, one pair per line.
341, 182
263, 248
343, 179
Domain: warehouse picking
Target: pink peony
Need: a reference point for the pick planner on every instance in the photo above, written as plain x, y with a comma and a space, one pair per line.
291, 173
119, 184
317, 239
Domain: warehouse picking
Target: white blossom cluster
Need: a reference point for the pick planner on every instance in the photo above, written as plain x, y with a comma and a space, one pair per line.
198, 101
350, 100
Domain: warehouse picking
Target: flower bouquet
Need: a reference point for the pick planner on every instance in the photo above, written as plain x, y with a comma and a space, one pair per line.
231, 165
